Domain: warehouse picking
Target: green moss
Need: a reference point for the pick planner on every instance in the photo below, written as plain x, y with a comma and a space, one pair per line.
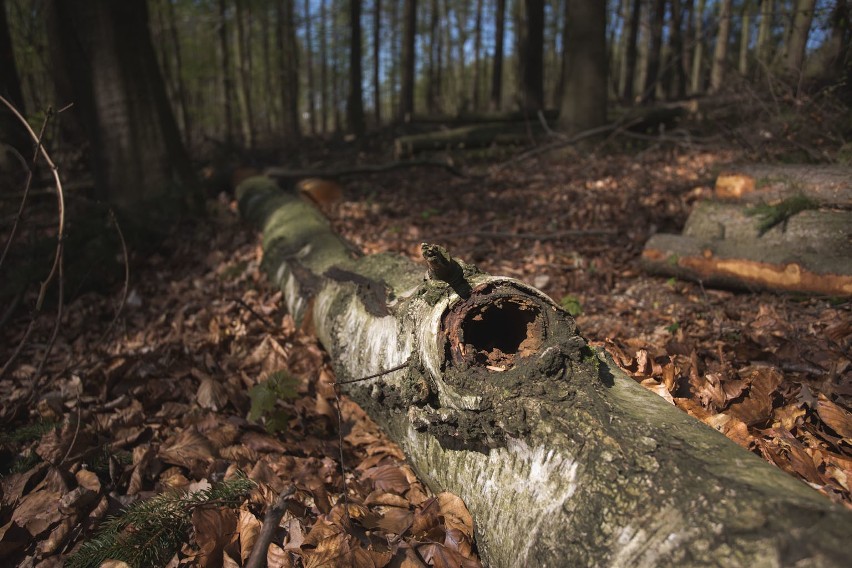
771, 215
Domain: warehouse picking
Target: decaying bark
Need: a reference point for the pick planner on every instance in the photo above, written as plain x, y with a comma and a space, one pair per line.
560, 457
826, 184
722, 246
476, 136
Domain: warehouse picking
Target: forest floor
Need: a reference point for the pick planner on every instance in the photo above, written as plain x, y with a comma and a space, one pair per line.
168, 397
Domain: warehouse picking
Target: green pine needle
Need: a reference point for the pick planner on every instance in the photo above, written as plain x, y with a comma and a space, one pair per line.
149, 532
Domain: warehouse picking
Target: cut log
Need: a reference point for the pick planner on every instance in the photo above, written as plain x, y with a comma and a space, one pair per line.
829, 185
478, 136
722, 246
561, 458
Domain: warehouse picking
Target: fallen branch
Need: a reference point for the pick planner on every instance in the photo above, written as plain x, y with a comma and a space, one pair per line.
257, 559
284, 174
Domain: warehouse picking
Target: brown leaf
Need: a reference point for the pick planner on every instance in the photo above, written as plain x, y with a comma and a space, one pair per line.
388, 478
331, 552
212, 394
756, 408
263, 443
395, 520
186, 449
248, 528
732, 427
440, 556
658, 389
213, 530
835, 417
455, 513
37, 512
277, 557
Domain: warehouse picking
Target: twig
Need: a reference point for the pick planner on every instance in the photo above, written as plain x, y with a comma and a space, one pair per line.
126, 289
266, 322
270, 523
373, 376
340, 451
57, 260
76, 432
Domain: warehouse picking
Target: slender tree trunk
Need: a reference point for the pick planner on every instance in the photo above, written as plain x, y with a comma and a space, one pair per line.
377, 52
477, 56
309, 63
497, 73
745, 37
767, 7
395, 58
652, 78
563, 58
720, 52
697, 83
243, 77
289, 69
336, 73
462, 90
185, 119
794, 55
324, 67
225, 65
584, 103
406, 102
354, 102
532, 56
432, 86
677, 51
630, 52
11, 132
268, 101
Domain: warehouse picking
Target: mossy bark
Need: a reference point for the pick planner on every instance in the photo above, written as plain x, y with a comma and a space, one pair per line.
560, 457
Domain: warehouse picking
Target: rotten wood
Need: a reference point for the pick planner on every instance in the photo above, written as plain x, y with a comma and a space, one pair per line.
561, 458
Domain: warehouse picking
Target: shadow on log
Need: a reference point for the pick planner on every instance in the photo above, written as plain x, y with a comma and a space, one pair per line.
561, 458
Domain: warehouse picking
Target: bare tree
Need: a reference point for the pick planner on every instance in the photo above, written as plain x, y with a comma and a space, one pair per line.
406, 102
794, 55
497, 73
354, 102
583, 105
720, 52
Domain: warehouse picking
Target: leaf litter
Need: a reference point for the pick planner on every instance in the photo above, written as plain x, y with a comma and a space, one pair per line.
194, 388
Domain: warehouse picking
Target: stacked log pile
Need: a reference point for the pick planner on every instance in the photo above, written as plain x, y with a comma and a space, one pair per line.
781, 227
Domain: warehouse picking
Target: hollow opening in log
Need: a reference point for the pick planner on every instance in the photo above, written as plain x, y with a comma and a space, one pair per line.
493, 334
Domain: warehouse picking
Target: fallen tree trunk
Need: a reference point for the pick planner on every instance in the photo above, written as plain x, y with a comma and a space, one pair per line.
827, 185
724, 245
478, 136
467, 118
561, 458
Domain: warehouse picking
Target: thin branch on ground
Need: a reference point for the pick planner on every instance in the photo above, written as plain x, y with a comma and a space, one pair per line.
268, 324
257, 559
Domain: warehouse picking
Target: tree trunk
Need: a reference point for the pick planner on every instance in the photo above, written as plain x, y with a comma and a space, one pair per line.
477, 57
11, 132
377, 52
185, 118
720, 52
140, 165
678, 87
532, 56
767, 7
630, 52
244, 77
309, 64
697, 76
433, 88
745, 37
323, 67
497, 73
355, 100
288, 60
652, 79
584, 103
227, 80
794, 56
493, 395
406, 96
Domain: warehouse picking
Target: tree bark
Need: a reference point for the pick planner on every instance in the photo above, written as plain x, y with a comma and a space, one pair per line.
355, 100
227, 80
584, 102
139, 163
828, 185
658, 15
377, 52
532, 56
630, 52
11, 132
309, 64
241, 52
745, 37
794, 56
497, 72
323, 68
289, 70
406, 97
493, 395
697, 76
680, 61
720, 52
767, 7
722, 245
477, 56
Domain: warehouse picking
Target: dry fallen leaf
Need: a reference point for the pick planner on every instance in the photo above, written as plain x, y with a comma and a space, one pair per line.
187, 448
837, 418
